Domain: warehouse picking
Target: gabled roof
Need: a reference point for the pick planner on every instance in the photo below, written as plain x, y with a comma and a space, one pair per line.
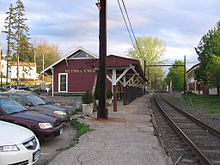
193, 67
76, 53
118, 61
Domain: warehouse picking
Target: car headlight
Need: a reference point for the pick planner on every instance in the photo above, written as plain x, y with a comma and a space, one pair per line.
59, 113
45, 125
8, 148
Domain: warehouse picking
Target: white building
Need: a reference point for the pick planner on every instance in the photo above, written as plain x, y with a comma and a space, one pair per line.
27, 71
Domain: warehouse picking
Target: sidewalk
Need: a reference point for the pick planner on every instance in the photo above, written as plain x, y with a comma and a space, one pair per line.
125, 139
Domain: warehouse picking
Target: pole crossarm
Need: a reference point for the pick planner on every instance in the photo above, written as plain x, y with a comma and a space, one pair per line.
164, 65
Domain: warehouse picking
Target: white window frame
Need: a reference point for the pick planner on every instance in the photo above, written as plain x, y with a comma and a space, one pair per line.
59, 75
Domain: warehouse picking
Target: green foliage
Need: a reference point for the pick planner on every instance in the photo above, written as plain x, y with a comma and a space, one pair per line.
47, 52
18, 46
109, 94
152, 49
80, 128
22, 47
176, 76
9, 26
87, 98
76, 111
37, 91
213, 71
208, 47
206, 103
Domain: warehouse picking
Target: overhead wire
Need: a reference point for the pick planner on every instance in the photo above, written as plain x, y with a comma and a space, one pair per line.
125, 22
130, 28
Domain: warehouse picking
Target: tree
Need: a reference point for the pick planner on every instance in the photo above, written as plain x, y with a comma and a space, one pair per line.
149, 49
10, 36
213, 72
23, 48
176, 76
45, 54
209, 45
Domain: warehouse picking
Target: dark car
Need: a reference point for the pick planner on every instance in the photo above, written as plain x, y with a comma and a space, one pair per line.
44, 88
35, 103
16, 87
44, 127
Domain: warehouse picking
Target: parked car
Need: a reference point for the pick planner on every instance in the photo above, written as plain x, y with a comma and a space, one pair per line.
2, 89
44, 88
16, 87
18, 145
35, 103
43, 126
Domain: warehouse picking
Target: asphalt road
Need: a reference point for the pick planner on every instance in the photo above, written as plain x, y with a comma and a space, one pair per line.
49, 148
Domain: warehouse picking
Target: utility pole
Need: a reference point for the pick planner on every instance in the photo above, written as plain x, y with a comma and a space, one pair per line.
184, 74
17, 68
43, 69
102, 111
1, 63
144, 74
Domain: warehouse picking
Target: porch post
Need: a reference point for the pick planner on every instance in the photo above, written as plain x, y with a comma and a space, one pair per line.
124, 91
114, 90
52, 86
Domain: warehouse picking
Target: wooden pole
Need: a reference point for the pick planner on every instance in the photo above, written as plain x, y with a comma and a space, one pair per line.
102, 111
184, 74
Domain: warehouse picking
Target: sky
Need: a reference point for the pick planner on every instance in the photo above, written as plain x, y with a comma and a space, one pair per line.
72, 23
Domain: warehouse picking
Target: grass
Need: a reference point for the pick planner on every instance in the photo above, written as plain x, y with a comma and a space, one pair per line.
81, 128
76, 111
205, 103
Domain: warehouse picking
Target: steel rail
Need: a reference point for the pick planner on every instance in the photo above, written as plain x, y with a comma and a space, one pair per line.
203, 159
196, 120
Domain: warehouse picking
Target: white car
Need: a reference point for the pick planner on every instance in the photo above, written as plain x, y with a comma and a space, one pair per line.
18, 145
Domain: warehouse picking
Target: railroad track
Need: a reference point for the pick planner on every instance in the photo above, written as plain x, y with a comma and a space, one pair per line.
202, 140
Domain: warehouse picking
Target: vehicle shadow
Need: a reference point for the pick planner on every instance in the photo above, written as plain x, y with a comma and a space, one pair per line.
50, 149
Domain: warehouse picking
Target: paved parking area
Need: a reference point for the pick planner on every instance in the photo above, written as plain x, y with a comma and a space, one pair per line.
49, 149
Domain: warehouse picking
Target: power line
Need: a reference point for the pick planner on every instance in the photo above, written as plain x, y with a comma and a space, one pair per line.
131, 27
130, 30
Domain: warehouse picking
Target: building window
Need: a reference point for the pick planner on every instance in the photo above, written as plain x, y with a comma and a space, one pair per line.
63, 79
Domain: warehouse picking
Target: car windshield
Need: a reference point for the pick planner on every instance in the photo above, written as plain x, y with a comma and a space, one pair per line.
36, 99
11, 106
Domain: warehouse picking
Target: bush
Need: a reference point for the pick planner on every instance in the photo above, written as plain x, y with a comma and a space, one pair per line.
109, 94
87, 98
37, 91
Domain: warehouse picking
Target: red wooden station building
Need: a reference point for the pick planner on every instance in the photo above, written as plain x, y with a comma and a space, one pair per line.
77, 72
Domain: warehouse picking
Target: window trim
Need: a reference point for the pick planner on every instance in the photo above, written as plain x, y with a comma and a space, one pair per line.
59, 75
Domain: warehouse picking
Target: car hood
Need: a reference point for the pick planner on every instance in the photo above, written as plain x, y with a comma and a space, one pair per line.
49, 110
13, 134
52, 107
35, 116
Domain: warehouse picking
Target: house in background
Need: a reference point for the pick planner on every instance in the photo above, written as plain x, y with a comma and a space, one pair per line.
27, 71
193, 86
